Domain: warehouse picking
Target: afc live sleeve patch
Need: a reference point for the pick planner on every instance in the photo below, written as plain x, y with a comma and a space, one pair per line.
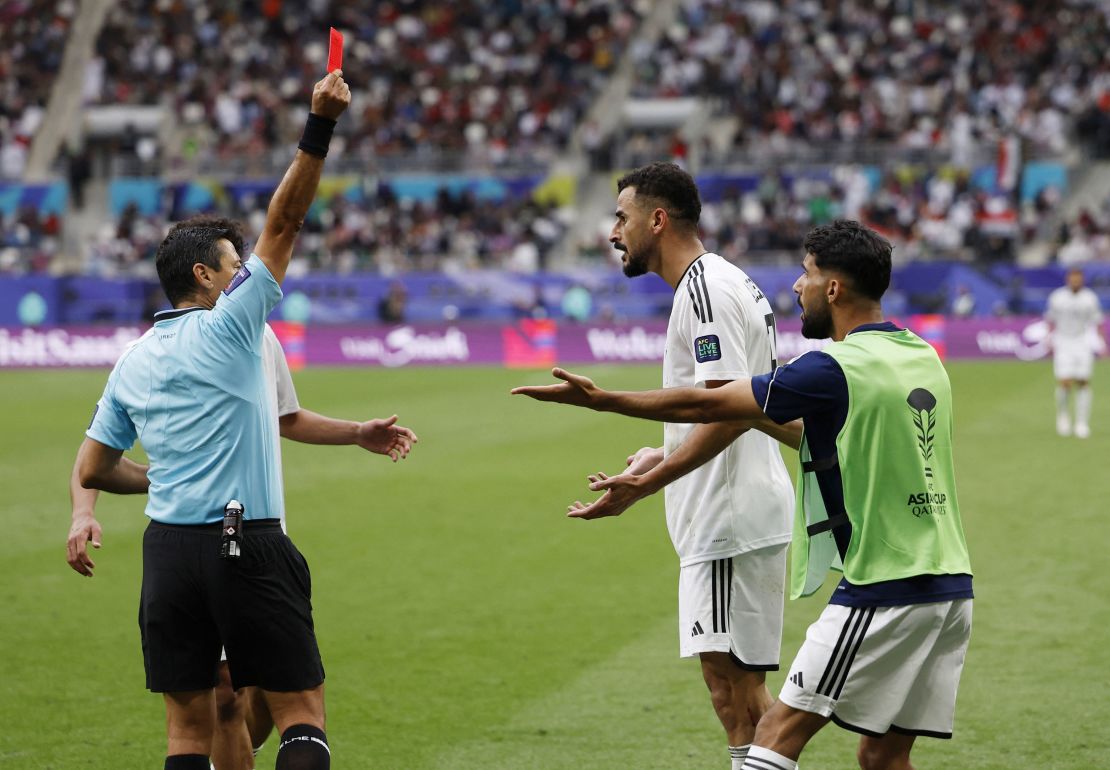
237, 281
707, 348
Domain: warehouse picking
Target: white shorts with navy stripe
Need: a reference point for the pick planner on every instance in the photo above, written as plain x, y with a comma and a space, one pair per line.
734, 605
880, 669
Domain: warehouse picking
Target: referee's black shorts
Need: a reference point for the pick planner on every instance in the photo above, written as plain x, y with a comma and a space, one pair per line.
259, 607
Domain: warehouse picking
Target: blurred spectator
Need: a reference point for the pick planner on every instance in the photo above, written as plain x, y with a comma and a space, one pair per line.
1076, 251
1087, 238
78, 172
963, 304
29, 240
391, 307
13, 157
128, 245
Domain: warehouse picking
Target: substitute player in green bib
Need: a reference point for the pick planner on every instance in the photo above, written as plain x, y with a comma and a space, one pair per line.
876, 500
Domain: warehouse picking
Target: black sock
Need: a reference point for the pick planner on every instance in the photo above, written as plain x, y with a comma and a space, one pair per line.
187, 762
303, 747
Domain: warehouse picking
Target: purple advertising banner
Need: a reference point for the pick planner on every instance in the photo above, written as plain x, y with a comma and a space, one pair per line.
533, 344
528, 344
1022, 338
644, 343
409, 345
38, 347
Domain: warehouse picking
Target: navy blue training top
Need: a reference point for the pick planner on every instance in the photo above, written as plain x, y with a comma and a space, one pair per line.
813, 388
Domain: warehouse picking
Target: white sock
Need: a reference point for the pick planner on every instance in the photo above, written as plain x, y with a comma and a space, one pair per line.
1083, 406
738, 754
760, 758
1061, 402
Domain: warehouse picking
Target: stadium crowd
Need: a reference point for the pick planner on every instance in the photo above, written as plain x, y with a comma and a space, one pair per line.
506, 82
948, 75
382, 234
925, 212
1085, 238
32, 41
29, 240
494, 81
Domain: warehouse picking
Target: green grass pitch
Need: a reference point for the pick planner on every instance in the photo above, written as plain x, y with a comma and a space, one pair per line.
465, 623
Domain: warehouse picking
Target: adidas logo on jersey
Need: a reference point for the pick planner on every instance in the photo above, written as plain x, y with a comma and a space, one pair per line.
697, 629
797, 679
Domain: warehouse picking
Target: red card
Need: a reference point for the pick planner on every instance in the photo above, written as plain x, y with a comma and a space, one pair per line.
335, 51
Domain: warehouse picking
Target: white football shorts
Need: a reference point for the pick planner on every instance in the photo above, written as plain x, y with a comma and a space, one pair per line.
877, 669
734, 605
1075, 361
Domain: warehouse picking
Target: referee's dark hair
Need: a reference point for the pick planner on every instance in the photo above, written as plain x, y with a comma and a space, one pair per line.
858, 252
668, 184
188, 242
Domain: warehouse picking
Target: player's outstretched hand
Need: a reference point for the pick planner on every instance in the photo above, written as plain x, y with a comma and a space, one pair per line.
85, 530
621, 493
386, 437
575, 390
331, 96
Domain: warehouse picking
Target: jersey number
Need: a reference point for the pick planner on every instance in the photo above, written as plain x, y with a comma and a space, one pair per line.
772, 340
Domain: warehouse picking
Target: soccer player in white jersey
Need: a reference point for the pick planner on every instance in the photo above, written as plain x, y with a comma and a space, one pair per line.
730, 519
1075, 320
243, 721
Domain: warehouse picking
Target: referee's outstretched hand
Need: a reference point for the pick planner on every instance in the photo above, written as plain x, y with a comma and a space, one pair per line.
85, 530
331, 96
386, 437
575, 390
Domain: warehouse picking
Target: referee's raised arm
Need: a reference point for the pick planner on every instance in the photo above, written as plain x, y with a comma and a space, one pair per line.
294, 195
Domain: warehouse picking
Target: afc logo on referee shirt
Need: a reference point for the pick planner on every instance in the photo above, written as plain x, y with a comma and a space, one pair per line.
237, 281
707, 348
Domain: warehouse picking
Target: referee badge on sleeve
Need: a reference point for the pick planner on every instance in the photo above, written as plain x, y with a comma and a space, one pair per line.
237, 281
707, 348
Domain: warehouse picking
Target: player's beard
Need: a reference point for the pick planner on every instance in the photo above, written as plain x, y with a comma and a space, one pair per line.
816, 325
634, 265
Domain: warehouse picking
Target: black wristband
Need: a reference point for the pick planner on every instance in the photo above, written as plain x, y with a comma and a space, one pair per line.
317, 135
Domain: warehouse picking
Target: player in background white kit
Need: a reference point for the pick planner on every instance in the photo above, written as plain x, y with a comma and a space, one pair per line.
243, 720
1075, 321
729, 520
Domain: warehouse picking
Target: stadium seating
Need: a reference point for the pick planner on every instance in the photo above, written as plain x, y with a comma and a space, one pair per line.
489, 82
32, 39
871, 120
956, 75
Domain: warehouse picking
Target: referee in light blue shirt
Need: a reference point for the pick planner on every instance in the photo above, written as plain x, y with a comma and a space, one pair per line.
192, 390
